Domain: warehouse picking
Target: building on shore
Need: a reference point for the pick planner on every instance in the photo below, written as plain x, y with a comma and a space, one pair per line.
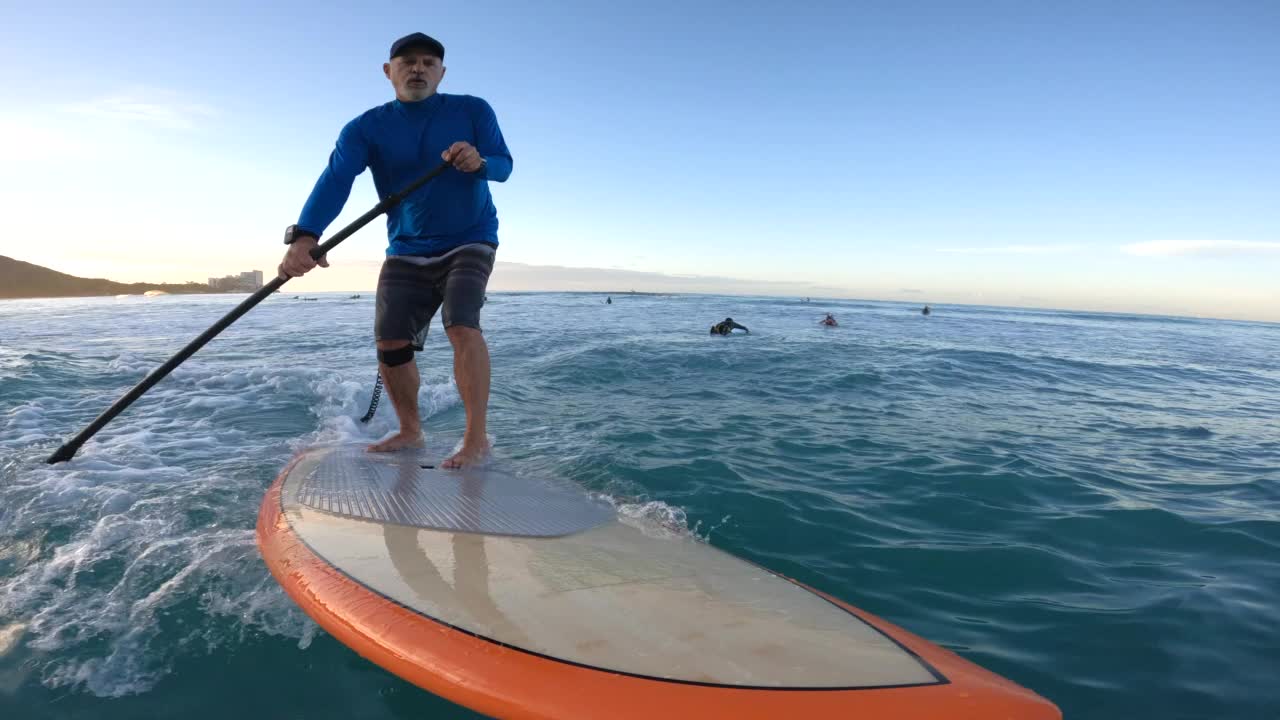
244, 282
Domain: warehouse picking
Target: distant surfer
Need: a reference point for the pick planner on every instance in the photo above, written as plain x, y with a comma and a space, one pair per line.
926, 310
829, 321
727, 326
442, 242
608, 301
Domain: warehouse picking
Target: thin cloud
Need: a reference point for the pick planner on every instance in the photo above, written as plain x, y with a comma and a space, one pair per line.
34, 139
911, 291
1013, 250
1202, 248
157, 108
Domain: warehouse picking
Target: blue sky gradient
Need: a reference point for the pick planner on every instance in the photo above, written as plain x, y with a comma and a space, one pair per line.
1117, 156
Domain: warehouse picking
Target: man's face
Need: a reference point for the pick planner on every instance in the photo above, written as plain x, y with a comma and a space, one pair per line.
415, 75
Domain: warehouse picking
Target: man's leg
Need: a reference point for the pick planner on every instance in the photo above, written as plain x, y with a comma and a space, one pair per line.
465, 283
401, 381
405, 303
471, 373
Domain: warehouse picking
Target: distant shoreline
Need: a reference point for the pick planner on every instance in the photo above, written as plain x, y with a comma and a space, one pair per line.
21, 280
162, 293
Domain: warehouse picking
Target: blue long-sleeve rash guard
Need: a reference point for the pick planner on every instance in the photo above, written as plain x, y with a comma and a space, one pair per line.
400, 142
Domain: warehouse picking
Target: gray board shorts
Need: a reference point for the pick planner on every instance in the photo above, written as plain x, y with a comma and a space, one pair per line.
412, 289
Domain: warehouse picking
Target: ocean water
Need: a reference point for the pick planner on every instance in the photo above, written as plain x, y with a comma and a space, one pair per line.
1087, 504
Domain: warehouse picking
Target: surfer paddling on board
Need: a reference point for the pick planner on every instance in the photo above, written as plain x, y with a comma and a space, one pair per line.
829, 320
443, 237
727, 326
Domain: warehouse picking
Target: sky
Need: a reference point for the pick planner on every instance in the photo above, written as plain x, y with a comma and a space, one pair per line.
1089, 155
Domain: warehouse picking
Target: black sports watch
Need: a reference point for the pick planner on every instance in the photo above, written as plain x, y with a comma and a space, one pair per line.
293, 233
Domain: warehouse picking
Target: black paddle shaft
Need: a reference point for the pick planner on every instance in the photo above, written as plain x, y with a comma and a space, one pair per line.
68, 450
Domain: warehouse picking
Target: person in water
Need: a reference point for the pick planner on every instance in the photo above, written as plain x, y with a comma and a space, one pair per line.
926, 310
727, 326
442, 240
829, 320
608, 301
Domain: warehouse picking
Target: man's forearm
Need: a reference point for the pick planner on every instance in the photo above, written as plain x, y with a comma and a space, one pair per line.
497, 168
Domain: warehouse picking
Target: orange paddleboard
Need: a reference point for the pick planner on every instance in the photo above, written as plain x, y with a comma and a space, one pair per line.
523, 598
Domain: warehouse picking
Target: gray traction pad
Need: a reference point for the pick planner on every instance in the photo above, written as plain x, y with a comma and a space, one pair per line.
395, 488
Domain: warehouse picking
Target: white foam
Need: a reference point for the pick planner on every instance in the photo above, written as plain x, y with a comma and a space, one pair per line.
654, 517
98, 609
131, 363
213, 402
347, 402
9, 637
82, 596
28, 416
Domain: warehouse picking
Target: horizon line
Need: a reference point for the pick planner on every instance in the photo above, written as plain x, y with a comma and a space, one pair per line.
916, 301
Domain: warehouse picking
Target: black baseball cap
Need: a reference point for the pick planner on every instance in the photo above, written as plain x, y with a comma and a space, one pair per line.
419, 41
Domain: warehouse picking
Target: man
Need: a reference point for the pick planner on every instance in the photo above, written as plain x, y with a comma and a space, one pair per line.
727, 326
829, 320
442, 237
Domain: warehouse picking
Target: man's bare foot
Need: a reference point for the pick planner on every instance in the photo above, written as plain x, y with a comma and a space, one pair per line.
399, 441
467, 457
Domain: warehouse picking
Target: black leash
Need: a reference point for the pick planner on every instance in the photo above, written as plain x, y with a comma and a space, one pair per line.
373, 402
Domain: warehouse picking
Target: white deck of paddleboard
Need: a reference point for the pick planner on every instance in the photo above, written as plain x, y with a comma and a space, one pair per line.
616, 597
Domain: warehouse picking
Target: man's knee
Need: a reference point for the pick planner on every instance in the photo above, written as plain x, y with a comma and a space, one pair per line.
461, 335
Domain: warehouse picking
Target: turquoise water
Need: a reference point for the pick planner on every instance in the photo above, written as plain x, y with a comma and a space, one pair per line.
1087, 504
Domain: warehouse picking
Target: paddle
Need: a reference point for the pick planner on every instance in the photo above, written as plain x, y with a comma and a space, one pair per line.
68, 450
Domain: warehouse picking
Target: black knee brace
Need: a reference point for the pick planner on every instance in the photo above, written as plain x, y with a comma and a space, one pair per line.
399, 356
